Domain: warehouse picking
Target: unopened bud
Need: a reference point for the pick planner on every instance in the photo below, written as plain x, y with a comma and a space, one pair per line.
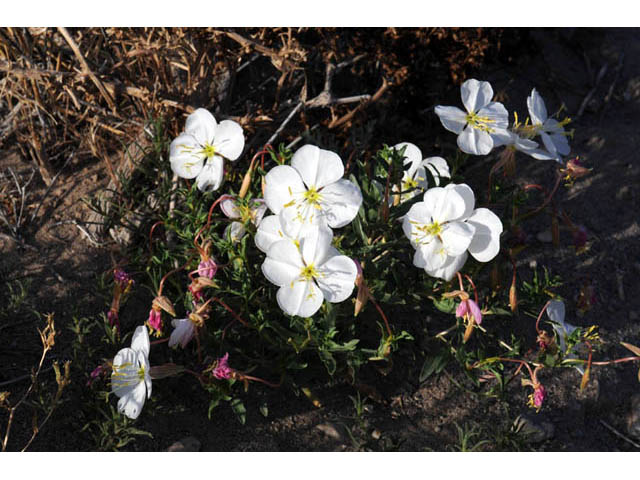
163, 303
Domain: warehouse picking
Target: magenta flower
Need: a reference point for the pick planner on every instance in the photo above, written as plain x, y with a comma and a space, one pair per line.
222, 370
155, 320
469, 308
93, 376
113, 318
208, 268
122, 278
539, 396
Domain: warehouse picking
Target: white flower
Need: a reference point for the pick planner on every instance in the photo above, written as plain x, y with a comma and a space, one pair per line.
130, 379
556, 313
482, 120
183, 331
312, 190
200, 150
309, 273
444, 226
252, 213
513, 141
273, 229
550, 130
415, 176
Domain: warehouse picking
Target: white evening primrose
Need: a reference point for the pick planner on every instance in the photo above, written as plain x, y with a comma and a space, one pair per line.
130, 379
184, 330
312, 191
274, 228
308, 272
246, 212
512, 141
414, 177
199, 151
550, 130
556, 313
483, 118
444, 227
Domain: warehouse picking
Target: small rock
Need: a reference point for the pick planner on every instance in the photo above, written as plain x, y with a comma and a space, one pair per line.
330, 431
545, 236
633, 420
188, 444
534, 427
376, 434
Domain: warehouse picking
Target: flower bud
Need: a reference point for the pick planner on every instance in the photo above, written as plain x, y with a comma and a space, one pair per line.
163, 303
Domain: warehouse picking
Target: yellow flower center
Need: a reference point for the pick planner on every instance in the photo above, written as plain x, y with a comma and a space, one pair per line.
478, 122
409, 183
141, 374
209, 150
433, 229
309, 272
312, 196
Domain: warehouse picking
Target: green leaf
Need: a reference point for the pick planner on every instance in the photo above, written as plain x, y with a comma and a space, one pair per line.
434, 364
239, 409
445, 305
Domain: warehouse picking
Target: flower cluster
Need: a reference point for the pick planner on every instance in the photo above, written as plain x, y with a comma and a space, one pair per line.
485, 125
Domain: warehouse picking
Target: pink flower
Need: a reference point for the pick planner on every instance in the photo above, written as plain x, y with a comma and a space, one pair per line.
113, 318
155, 320
469, 308
122, 278
196, 293
208, 268
222, 370
95, 374
539, 396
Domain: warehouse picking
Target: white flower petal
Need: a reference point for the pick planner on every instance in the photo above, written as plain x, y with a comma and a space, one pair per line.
315, 244
556, 311
438, 167
124, 377
282, 185
497, 115
452, 118
340, 202
337, 278
212, 175
549, 145
467, 195
412, 155
283, 263
235, 231
317, 167
449, 268
140, 340
444, 204
475, 141
258, 211
269, 232
486, 241
302, 298
433, 255
202, 125
475, 94
131, 404
183, 331
537, 108
185, 156
229, 140
456, 237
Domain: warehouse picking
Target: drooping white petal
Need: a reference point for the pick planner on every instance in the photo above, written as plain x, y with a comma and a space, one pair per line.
444, 204
452, 118
186, 157
475, 141
258, 211
183, 331
537, 108
229, 140
449, 268
556, 311
548, 143
340, 202
475, 94
337, 278
235, 231
412, 155
438, 167
202, 125
317, 167
282, 185
230, 208
486, 241
283, 263
131, 404
497, 115
561, 143
212, 175
140, 340
301, 297
467, 195
456, 237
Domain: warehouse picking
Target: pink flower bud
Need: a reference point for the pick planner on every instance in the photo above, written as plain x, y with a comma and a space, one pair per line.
208, 268
155, 320
222, 370
539, 396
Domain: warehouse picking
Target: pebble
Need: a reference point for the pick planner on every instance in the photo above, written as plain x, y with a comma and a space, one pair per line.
188, 444
330, 431
534, 427
633, 419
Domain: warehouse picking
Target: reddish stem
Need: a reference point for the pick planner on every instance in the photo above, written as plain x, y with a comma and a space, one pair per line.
231, 311
153, 227
540, 316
